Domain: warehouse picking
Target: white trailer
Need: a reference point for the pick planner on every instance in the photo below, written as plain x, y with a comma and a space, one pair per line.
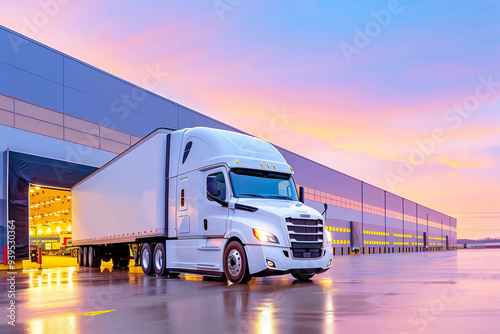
200, 200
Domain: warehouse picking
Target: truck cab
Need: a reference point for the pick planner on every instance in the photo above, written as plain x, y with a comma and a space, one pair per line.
237, 211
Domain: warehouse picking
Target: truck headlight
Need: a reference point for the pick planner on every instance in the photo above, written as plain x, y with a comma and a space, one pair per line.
265, 236
328, 237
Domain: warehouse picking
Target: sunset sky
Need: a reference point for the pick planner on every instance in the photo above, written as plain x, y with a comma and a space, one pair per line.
404, 95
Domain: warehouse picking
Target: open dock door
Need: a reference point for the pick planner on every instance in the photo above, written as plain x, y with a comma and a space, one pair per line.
25, 173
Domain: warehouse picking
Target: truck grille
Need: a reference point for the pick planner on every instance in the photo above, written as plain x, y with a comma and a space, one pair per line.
306, 237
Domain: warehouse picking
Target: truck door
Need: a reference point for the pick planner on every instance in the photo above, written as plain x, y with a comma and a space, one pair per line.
214, 217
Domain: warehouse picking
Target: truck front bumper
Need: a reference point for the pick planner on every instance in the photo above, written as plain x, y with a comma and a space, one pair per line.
259, 255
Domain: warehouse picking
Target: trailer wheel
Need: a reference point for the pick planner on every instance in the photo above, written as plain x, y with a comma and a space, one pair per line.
235, 263
147, 259
159, 260
80, 256
94, 262
302, 276
85, 257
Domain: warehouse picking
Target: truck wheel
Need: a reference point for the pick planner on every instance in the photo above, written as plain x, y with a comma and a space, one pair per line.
80, 256
147, 259
302, 276
159, 260
85, 256
235, 263
94, 262
74, 252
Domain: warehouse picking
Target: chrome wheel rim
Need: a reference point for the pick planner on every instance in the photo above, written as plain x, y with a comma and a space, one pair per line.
145, 258
159, 259
234, 262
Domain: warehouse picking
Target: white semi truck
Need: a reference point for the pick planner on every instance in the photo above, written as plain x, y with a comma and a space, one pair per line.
200, 200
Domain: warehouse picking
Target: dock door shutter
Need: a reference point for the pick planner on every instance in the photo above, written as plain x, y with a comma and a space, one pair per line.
356, 235
24, 169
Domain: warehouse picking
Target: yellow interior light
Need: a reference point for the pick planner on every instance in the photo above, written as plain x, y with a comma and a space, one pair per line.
69, 228
58, 229
31, 190
40, 231
37, 188
48, 230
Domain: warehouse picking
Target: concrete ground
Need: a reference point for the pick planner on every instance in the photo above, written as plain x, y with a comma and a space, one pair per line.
433, 292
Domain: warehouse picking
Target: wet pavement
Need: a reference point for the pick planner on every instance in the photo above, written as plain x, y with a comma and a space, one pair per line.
433, 292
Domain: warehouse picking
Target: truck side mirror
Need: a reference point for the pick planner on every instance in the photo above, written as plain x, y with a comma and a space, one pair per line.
212, 186
301, 194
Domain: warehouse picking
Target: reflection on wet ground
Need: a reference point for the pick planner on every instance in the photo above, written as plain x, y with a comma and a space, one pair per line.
453, 291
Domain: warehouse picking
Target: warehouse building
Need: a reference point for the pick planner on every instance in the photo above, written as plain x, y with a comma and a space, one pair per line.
60, 119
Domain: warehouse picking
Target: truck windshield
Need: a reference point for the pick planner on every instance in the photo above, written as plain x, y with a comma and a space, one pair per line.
262, 184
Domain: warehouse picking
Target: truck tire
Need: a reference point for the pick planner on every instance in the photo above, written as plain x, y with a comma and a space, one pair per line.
85, 256
159, 260
147, 259
302, 276
235, 263
80, 257
94, 262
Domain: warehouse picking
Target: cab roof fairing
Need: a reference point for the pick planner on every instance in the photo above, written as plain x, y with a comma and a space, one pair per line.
214, 146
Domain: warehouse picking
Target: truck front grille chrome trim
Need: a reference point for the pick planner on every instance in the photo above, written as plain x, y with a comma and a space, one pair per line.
306, 237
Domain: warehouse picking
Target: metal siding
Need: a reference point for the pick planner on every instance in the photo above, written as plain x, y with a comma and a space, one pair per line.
98, 111
30, 87
410, 226
103, 86
373, 199
373, 195
31, 57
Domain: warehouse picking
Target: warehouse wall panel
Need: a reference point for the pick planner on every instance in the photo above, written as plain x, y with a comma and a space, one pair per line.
121, 96
30, 57
98, 111
27, 86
